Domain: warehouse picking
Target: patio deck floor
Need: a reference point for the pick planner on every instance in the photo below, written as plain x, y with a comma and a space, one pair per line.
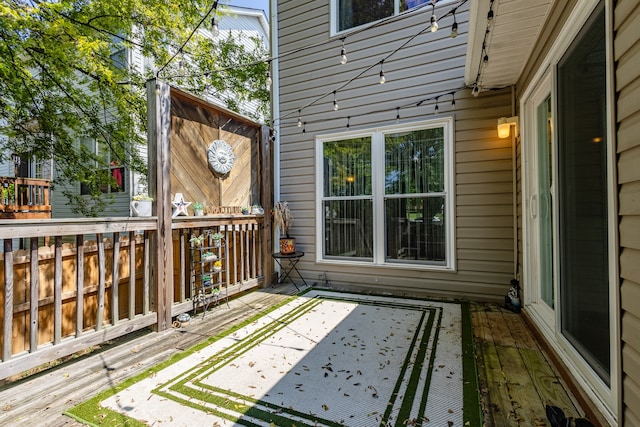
516, 378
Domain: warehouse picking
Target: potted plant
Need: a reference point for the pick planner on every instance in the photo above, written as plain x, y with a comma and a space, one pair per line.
206, 280
141, 205
198, 208
208, 257
256, 209
217, 266
245, 210
282, 217
196, 241
216, 237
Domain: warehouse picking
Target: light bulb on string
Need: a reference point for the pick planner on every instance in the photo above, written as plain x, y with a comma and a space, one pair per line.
299, 119
348, 122
434, 20
454, 27
343, 54
269, 80
453, 100
215, 31
335, 102
490, 15
485, 59
476, 90
304, 127
435, 110
382, 78
397, 114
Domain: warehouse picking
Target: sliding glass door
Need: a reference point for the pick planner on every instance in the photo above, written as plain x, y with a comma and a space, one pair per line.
582, 196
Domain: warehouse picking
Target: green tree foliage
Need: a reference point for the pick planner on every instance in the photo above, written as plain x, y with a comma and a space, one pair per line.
65, 78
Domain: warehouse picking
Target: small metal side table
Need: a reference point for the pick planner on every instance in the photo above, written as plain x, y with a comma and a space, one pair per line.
290, 266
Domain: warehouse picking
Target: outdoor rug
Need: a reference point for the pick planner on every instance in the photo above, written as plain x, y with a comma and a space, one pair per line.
323, 358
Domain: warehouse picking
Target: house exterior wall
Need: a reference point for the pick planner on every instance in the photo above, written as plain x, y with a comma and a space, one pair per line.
626, 21
429, 65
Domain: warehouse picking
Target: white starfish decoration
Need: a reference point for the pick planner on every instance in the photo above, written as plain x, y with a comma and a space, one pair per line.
180, 205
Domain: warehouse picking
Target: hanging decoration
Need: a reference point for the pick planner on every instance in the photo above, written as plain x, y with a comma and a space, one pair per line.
220, 157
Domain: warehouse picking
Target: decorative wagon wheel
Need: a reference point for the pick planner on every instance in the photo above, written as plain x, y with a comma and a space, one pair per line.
220, 156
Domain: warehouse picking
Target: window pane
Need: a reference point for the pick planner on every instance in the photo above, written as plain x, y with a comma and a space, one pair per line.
414, 162
353, 13
347, 167
409, 4
415, 229
582, 201
348, 228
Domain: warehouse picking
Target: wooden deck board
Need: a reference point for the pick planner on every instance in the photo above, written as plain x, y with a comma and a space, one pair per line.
519, 379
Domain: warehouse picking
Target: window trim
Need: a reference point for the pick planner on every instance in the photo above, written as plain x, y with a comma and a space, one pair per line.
333, 15
378, 194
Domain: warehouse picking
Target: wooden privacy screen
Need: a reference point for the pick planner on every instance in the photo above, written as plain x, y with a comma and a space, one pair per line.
194, 126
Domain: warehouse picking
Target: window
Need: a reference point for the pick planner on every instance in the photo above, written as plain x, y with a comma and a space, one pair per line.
385, 196
353, 13
110, 164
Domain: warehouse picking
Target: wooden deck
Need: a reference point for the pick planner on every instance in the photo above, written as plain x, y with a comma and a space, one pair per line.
516, 379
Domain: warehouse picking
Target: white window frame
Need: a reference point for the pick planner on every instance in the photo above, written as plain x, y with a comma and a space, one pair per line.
377, 145
396, 11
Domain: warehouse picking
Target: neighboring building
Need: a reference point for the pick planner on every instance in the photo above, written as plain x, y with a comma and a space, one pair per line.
246, 24
390, 195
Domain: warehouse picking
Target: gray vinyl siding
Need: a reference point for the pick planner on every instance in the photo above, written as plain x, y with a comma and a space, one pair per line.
627, 57
432, 64
7, 169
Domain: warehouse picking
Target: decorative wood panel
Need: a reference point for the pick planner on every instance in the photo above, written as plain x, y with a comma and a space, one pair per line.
194, 126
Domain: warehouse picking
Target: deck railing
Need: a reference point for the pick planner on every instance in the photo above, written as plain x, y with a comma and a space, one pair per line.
94, 280
24, 198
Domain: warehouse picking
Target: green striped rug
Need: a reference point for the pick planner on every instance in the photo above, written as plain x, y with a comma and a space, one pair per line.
323, 358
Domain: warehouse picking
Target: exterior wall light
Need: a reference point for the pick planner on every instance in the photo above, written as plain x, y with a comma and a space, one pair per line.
504, 126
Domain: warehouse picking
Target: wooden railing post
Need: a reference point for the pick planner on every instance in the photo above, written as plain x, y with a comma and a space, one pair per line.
159, 145
266, 191
7, 329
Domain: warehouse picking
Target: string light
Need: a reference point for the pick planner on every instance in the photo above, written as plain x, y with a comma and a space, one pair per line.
454, 26
304, 127
213, 9
348, 122
269, 80
453, 100
299, 119
434, 19
343, 53
435, 110
476, 90
382, 78
215, 31
397, 108
433, 27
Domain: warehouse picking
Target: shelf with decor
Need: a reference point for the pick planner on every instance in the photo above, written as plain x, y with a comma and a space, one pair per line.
208, 278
